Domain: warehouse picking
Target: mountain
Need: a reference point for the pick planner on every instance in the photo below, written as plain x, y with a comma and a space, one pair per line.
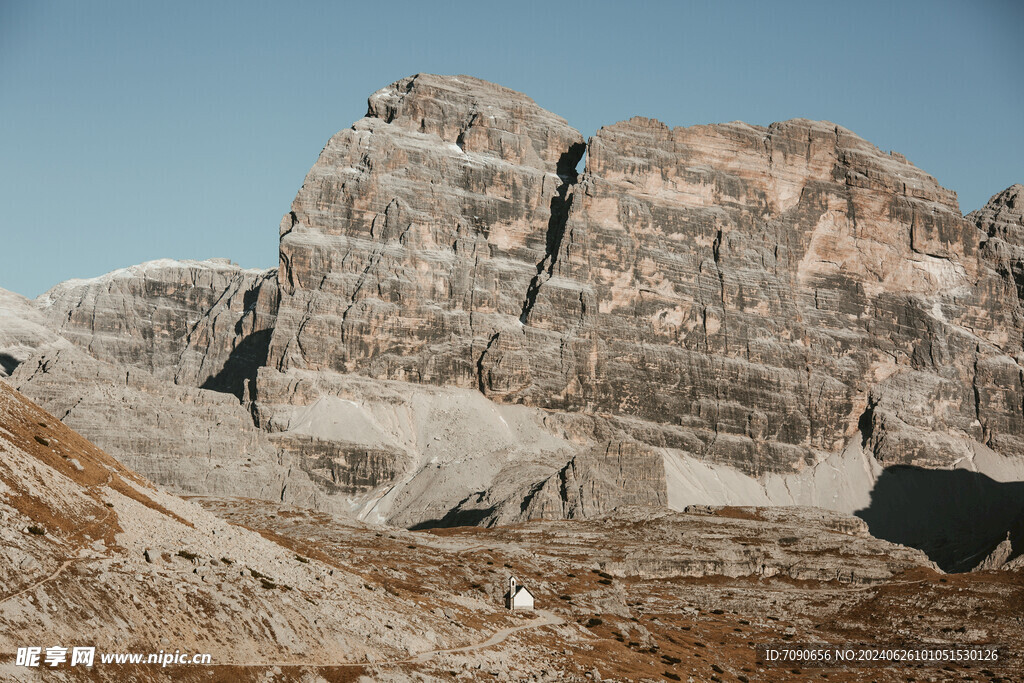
463, 328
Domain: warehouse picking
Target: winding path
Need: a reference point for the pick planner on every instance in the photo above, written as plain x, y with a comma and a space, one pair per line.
544, 618
60, 570
68, 562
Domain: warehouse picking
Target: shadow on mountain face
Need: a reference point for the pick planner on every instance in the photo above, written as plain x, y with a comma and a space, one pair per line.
246, 358
956, 517
455, 517
8, 363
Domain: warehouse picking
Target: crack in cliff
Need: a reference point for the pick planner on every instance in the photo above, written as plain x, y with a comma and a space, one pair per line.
716, 253
208, 314
561, 202
480, 363
866, 424
986, 435
294, 219
460, 140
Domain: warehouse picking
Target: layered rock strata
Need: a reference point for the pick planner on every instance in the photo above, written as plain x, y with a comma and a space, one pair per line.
463, 329
150, 362
198, 323
752, 296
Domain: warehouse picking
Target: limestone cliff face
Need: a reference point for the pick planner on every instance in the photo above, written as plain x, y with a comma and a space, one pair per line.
146, 362
463, 328
752, 296
418, 230
760, 294
198, 323
24, 332
1001, 223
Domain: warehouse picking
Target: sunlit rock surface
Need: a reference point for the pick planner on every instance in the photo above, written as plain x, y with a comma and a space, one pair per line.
463, 329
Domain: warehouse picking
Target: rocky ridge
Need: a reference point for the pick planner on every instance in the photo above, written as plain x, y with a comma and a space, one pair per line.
197, 323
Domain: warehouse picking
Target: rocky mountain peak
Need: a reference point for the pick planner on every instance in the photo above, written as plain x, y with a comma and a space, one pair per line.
795, 148
1002, 216
1012, 198
478, 117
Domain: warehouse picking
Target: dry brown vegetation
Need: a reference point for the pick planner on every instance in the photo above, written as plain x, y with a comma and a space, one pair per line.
635, 628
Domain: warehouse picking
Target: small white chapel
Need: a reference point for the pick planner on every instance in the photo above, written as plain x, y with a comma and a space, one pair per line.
519, 596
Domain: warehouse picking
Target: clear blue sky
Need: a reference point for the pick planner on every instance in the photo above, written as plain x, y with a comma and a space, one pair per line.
140, 130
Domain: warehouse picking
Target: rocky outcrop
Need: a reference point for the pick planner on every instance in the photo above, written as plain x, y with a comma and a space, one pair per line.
1001, 222
998, 557
23, 332
198, 323
192, 440
595, 482
151, 361
799, 543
